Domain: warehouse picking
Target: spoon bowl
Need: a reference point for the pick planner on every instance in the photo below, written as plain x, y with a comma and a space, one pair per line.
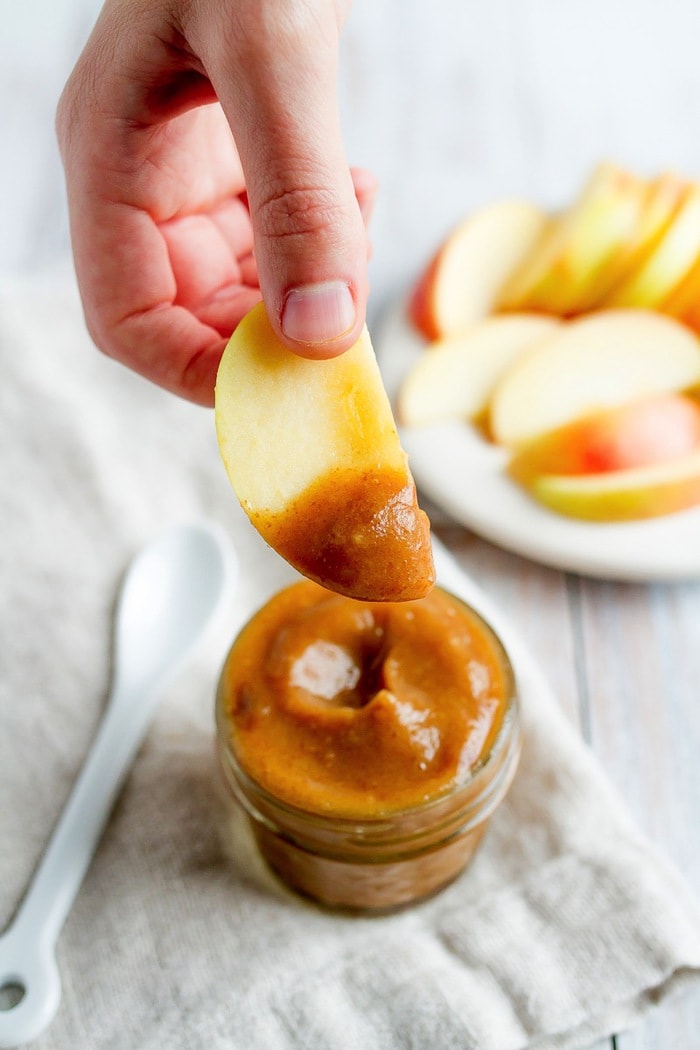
165, 601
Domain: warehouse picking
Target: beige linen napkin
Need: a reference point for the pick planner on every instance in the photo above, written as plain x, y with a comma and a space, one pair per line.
567, 926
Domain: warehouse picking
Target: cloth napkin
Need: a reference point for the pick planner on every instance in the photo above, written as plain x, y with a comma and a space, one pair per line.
566, 927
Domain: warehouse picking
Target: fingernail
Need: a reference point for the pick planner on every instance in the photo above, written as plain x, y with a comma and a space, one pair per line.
318, 313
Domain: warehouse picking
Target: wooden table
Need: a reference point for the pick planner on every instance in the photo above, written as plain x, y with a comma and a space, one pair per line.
453, 103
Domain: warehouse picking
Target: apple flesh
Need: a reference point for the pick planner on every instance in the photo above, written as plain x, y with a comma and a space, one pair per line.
579, 246
312, 452
455, 378
461, 284
651, 430
684, 301
624, 495
604, 359
662, 200
651, 283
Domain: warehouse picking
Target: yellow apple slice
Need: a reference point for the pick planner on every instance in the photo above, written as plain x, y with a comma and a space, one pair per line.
579, 244
684, 300
312, 453
456, 377
624, 495
463, 280
662, 199
691, 312
649, 430
604, 359
668, 264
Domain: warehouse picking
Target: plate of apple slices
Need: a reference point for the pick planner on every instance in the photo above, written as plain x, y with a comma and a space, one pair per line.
545, 374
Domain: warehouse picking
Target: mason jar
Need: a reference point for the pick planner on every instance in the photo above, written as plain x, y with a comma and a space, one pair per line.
397, 853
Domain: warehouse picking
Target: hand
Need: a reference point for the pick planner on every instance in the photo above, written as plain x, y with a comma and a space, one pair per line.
192, 131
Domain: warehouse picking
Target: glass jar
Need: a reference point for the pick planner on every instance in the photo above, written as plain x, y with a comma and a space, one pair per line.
384, 861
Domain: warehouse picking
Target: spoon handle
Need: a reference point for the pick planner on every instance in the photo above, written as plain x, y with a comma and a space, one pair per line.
69, 852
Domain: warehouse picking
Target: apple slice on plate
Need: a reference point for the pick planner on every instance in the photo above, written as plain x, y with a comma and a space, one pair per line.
464, 279
684, 300
624, 495
565, 264
454, 378
603, 359
662, 199
312, 452
668, 264
650, 430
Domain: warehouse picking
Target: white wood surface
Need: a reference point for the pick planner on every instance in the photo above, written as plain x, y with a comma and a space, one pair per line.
457, 103
453, 103
624, 661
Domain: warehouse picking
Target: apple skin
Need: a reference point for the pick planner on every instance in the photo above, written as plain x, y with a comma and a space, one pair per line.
691, 316
651, 430
462, 282
623, 495
420, 313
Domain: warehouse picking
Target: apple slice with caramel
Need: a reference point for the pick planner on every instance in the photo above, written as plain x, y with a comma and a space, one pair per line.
313, 455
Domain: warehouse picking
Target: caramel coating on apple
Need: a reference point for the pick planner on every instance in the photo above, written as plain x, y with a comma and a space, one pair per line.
313, 454
360, 534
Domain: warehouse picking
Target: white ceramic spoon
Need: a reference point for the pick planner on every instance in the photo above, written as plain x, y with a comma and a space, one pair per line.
171, 591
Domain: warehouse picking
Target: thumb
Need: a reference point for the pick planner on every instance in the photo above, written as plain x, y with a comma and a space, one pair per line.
274, 69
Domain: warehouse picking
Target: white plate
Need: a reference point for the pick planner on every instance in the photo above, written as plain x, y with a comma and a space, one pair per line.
463, 474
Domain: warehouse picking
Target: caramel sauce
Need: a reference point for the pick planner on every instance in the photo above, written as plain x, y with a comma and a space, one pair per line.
362, 709
360, 534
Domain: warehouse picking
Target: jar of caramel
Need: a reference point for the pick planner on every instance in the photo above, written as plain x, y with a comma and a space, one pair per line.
368, 743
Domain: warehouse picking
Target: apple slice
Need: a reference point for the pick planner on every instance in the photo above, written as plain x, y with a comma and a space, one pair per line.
684, 300
650, 430
603, 359
663, 198
623, 495
668, 264
463, 280
691, 313
312, 452
556, 276
455, 378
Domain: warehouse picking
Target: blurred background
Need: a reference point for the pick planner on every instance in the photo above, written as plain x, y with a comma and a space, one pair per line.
450, 102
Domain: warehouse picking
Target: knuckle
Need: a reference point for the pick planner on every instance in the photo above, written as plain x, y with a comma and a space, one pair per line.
298, 212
